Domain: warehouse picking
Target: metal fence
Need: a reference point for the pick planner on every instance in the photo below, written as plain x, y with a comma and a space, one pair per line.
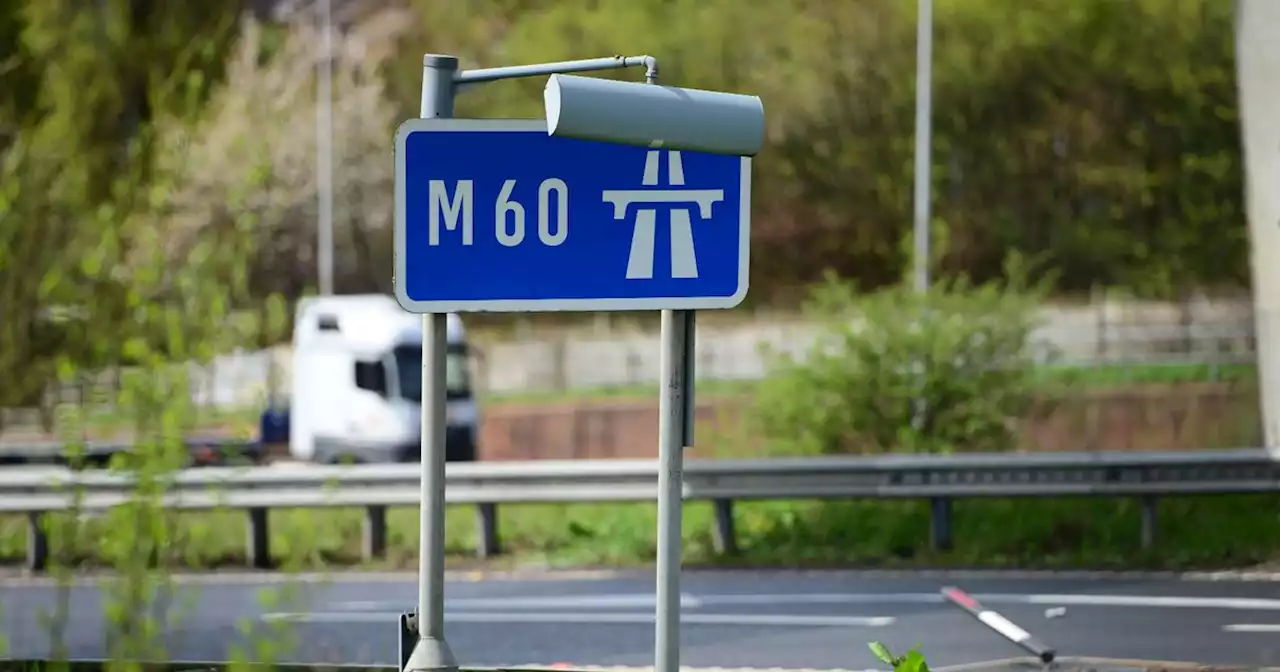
938, 479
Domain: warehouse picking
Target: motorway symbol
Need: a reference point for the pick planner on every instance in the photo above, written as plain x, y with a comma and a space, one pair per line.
499, 216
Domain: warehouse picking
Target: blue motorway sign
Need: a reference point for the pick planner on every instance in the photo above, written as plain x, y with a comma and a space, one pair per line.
499, 216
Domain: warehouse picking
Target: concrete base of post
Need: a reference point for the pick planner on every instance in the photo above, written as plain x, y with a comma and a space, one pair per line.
431, 655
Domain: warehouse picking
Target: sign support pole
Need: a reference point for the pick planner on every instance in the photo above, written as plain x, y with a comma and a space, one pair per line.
675, 433
432, 653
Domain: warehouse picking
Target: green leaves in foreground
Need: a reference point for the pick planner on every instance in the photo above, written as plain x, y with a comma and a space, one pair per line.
912, 661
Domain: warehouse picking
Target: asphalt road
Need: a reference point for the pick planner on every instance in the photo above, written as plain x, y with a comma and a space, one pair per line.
732, 619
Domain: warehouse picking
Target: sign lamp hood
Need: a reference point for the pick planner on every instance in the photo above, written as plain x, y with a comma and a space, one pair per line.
649, 115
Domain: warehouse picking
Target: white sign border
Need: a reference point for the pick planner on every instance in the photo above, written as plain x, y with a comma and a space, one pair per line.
548, 305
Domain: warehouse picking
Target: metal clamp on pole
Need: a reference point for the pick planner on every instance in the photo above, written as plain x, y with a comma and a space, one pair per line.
690, 378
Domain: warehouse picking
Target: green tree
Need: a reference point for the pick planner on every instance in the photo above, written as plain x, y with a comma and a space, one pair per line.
1101, 136
82, 85
254, 150
163, 312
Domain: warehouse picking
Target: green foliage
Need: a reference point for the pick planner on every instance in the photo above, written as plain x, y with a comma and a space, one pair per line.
911, 661
87, 283
903, 371
1104, 138
83, 88
1103, 135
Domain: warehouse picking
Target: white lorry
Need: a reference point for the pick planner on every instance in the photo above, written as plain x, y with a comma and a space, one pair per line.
357, 383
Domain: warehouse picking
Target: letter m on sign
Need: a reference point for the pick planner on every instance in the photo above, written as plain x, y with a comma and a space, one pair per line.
450, 209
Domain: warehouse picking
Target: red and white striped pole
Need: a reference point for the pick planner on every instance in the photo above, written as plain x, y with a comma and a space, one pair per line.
1000, 624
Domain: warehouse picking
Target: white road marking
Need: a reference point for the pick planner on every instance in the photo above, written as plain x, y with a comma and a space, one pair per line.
583, 618
623, 668
636, 601
365, 605
645, 600
1159, 601
1252, 627
1145, 601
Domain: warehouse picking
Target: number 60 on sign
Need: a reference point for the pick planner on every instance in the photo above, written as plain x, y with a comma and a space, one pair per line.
455, 209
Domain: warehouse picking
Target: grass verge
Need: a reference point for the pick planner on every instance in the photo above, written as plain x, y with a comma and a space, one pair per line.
1193, 532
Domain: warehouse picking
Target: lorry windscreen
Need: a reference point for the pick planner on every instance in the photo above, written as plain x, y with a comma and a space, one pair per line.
457, 372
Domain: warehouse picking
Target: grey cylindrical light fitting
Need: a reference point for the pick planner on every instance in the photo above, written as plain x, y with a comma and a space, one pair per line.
589, 108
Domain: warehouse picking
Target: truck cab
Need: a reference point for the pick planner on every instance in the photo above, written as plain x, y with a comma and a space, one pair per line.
356, 391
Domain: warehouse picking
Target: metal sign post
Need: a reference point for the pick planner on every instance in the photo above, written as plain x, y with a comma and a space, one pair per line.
594, 209
675, 433
676, 408
432, 651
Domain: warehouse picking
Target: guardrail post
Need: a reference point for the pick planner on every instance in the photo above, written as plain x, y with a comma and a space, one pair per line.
940, 523
724, 536
259, 539
1150, 509
375, 532
37, 542
487, 543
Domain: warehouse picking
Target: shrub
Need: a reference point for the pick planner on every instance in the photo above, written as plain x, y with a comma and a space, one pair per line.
902, 371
